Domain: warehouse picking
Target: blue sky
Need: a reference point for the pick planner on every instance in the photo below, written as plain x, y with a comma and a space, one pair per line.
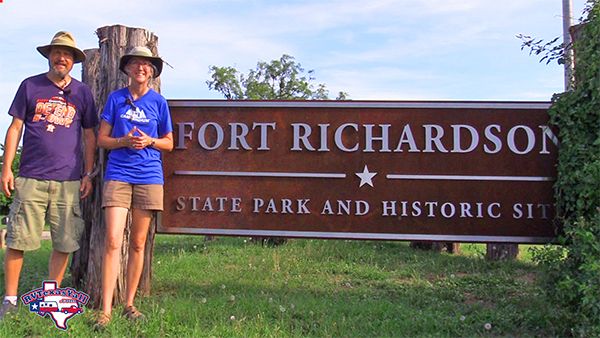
373, 50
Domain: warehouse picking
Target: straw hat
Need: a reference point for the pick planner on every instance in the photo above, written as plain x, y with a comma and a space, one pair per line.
144, 53
63, 39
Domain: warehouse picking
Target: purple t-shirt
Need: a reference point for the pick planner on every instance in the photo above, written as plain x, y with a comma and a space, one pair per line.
54, 118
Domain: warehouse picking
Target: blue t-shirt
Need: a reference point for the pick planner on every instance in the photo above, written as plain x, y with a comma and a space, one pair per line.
53, 118
149, 113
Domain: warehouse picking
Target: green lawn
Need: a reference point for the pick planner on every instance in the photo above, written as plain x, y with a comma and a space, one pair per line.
233, 288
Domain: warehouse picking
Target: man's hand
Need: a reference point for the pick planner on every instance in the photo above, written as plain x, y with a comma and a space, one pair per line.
86, 187
8, 182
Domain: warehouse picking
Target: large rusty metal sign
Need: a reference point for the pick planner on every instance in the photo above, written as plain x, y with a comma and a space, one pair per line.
443, 171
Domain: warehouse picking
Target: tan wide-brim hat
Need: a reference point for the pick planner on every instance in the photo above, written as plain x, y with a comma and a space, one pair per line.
63, 39
144, 53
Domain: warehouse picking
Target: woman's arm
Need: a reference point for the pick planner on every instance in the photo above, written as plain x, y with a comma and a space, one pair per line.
107, 142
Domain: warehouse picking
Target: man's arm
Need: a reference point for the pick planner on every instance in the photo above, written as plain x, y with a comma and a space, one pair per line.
13, 136
89, 140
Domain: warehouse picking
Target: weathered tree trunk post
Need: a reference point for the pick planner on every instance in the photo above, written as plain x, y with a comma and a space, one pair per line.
101, 72
501, 251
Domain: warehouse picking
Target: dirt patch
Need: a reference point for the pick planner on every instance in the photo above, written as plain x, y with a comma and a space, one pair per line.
473, 300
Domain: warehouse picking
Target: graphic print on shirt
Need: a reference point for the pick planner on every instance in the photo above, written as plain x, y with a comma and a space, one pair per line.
135, 115
55, 111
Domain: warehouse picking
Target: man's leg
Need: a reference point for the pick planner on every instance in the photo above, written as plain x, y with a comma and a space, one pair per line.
57, 266
13, 262
24, 232
66, 226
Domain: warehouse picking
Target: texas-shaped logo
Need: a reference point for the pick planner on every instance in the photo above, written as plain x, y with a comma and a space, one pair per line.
60, 304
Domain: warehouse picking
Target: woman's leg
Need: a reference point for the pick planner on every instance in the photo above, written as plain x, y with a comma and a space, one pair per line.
140, 223
116, 217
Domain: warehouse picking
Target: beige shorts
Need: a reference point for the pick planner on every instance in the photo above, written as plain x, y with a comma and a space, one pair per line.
37, 202
132, 196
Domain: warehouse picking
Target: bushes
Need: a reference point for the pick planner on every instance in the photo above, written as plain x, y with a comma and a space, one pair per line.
5, 201
573, 269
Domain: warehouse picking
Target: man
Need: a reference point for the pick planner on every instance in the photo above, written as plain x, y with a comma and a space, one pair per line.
55, 110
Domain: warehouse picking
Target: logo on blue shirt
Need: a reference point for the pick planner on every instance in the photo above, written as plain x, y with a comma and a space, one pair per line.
135, 115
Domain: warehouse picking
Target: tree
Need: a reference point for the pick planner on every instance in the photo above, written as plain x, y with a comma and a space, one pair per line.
282, 79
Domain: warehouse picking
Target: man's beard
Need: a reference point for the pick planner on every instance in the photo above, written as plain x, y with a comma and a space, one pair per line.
60, 73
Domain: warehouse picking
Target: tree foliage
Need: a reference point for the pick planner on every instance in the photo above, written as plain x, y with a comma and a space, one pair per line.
6, 201
573, 269
551, 50
282, 79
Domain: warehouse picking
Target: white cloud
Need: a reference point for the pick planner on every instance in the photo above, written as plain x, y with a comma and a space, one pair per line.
380, 49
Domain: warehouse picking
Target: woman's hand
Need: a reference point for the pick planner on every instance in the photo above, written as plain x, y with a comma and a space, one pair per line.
138, 142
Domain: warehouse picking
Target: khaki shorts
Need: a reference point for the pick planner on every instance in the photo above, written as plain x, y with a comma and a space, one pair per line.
37, 202
132, 196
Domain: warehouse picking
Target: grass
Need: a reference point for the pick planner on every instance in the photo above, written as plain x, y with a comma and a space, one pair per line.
315, 288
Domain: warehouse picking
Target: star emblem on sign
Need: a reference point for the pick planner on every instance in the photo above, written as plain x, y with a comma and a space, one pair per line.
50, 128
366, 177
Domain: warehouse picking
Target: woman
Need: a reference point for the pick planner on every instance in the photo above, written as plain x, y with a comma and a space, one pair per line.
135, 126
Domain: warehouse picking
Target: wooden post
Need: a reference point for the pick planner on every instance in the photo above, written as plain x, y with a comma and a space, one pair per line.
500, 251
101, 72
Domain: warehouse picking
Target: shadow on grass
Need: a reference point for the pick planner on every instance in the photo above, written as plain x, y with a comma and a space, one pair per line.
373, 288
384, 253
